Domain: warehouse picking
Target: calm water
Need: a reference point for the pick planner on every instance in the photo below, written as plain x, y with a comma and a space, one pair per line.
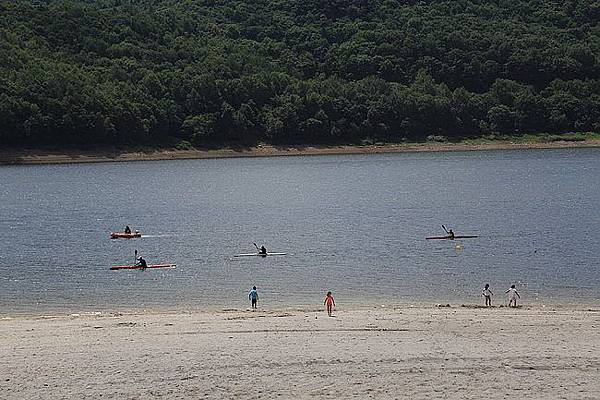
353, 224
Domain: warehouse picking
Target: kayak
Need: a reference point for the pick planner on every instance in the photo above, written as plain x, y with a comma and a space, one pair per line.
123, 235
259, 254
140, 267
451, 237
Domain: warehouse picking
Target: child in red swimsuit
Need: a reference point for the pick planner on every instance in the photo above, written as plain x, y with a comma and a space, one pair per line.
329, 302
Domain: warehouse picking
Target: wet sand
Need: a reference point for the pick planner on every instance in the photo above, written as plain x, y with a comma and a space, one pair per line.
63, 157
403, 352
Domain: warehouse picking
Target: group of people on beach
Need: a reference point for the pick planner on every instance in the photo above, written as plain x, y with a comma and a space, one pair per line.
513, 295
329, 302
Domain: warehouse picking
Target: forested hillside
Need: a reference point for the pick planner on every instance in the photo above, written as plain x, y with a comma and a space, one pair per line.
222, 72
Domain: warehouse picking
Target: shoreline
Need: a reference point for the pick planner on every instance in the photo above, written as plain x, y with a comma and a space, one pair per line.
36, 157
417, 353
415, 305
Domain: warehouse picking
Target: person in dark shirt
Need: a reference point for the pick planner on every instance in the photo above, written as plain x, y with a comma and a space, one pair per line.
141, 262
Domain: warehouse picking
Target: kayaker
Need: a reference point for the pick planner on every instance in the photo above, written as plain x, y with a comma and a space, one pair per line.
128, 230
141, 262
262, 250
450, 234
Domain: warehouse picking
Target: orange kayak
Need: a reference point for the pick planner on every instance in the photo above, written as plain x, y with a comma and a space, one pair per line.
123, 235
140, 267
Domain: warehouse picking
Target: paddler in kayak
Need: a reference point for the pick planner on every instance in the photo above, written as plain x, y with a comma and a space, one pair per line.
449, 232
128, 230
142, 263
262, 250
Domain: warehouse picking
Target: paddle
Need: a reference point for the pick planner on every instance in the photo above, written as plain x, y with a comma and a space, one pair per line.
445, 229
135, 256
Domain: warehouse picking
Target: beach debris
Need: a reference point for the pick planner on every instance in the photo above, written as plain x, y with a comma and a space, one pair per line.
127, 324
475, 306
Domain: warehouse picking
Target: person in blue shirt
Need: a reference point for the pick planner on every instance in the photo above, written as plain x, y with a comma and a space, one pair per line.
253, 296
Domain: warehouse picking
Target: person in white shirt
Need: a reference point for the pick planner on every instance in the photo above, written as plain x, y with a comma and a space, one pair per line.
513, 295
487, 293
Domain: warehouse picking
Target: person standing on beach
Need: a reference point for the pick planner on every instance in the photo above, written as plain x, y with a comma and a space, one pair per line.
329, 302
487, 293
253, 296
512, 296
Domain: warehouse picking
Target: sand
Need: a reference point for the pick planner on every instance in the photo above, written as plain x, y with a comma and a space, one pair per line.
422, 352
23, 157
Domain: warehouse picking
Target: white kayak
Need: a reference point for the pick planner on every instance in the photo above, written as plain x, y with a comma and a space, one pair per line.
259, 254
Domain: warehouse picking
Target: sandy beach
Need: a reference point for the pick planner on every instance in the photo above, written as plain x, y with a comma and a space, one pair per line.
423, 352
25, 157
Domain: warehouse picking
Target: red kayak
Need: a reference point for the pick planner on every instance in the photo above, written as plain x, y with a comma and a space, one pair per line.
451, 237
123, 235
140, 267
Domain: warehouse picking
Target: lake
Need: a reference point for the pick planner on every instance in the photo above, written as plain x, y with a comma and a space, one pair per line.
352, 224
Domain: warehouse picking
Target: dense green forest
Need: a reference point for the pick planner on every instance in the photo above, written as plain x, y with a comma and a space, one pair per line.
89, 73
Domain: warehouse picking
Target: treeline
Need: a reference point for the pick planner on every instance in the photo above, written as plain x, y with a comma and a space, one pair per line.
222, 72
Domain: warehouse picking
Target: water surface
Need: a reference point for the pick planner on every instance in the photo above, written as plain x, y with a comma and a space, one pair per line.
352, 224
